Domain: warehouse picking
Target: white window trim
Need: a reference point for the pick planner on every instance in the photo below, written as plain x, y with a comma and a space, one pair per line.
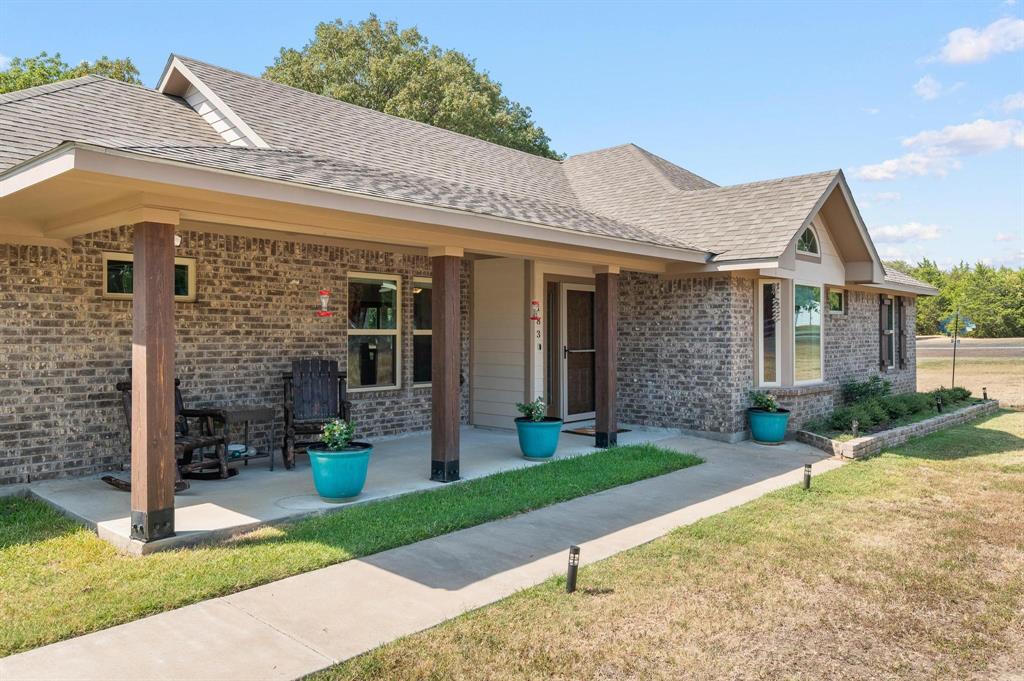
817, 241
760, 336
190, 263
821, 333
840, 291
421, 332
396, 332
890, 333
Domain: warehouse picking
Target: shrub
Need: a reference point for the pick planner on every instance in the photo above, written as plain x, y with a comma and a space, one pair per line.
843, 418
765, 401
896, 406
873, 387
876, 411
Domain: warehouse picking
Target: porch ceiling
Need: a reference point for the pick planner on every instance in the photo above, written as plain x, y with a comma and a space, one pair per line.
76, 190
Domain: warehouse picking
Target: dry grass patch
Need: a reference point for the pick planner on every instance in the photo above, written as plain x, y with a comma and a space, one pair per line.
909, 565
1003, 376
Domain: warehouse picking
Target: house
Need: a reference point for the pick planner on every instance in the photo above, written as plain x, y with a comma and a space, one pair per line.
460, 276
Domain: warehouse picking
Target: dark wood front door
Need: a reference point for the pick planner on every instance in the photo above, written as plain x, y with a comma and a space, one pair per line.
578, 352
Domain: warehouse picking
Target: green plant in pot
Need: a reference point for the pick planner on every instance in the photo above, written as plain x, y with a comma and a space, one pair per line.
538, 433
339, 463
768, 420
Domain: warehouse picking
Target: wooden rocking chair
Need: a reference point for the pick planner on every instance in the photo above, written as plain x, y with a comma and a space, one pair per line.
314, 393
187, 441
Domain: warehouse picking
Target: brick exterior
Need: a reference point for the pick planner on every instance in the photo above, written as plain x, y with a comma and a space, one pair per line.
685, 351
851, 353
63, 346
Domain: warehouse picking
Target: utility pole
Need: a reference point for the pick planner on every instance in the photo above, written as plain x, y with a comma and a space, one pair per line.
956, 331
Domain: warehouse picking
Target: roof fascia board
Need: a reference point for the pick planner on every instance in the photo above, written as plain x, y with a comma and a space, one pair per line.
176, 64
45, 166
892, 287
118, 163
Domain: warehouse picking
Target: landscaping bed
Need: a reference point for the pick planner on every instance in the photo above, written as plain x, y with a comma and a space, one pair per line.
58, 579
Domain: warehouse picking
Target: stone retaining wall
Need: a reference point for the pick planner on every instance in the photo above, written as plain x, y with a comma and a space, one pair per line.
872, 444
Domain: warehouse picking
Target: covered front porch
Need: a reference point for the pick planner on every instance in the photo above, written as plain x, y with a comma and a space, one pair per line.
216, 509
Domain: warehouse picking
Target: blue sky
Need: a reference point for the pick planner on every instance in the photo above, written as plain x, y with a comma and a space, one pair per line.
920, 103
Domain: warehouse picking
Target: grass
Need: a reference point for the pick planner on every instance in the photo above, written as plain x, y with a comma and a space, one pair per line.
1003, 376
908, 565
59, 580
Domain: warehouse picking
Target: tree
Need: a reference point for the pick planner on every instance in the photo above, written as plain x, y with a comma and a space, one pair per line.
399, 72
43, 69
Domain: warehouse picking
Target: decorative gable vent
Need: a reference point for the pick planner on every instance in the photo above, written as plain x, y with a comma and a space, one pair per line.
216, 118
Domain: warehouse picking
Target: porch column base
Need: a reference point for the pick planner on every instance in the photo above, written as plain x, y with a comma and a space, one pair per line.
605, 440
153, 525
444, 471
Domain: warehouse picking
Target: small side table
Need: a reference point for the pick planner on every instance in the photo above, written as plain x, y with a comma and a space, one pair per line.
246, 414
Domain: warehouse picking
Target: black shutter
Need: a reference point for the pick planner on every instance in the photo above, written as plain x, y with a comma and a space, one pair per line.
901, 330
883, 347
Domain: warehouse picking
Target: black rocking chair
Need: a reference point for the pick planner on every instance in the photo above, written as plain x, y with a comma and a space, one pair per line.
188, 441
314, 393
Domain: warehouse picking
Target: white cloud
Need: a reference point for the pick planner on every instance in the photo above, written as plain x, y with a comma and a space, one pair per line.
1013, 259
936, 152
871, 110
967, 45
4, 61
1013, 102
1006, 236
908, 231
887, 196
928, 88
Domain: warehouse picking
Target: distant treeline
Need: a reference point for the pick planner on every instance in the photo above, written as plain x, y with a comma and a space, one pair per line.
993, 298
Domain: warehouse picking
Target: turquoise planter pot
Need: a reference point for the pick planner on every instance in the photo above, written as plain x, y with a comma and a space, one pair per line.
538, 439
768, 426
340, 475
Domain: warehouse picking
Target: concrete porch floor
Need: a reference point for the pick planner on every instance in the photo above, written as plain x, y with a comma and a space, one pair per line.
216, 509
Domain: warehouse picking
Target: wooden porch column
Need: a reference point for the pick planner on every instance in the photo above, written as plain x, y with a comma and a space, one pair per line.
446, 364
606, 304
153, 465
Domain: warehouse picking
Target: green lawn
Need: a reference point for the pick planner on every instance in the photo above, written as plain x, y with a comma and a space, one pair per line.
908, 565
59, 580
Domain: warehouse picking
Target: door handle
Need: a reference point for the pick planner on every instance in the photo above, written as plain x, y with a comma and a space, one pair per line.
565, 351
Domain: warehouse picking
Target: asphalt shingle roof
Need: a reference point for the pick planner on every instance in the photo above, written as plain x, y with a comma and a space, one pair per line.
624, 192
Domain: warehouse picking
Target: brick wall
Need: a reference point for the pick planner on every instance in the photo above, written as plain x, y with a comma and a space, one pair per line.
63, 346
685, 351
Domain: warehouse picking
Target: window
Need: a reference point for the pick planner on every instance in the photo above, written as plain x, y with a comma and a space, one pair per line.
807, 333
119, 270
808, 242
836, 301
768, 331
374, 325
887, 332
422, 335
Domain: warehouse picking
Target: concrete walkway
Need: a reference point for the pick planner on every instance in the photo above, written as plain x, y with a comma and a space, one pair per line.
298, 625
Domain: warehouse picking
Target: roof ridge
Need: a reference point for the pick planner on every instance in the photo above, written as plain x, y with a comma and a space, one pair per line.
55, 86
771, 181
366, 108
644, 156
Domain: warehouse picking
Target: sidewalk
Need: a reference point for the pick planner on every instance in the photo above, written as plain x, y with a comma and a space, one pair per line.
298, 625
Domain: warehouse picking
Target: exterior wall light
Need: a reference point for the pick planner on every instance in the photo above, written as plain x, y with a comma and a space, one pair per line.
574, 566
325, 298
177, 239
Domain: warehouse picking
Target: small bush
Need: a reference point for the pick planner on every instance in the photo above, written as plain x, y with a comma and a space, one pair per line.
896, 406
876, 411
875, 386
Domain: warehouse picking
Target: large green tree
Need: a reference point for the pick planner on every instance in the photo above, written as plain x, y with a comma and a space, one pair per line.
27, 72
991, 297
376, 65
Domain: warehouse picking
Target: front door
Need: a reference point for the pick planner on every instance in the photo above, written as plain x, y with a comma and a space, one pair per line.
578, 352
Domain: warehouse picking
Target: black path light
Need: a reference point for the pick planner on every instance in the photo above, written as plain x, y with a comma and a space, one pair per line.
574, 566
807, 476
984, 392
938, 403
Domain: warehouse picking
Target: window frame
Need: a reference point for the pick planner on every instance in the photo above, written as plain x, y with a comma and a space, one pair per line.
116, 256
421, 332
821, 333
395, 332
842, 293
817, 242
761, 283
889, 331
